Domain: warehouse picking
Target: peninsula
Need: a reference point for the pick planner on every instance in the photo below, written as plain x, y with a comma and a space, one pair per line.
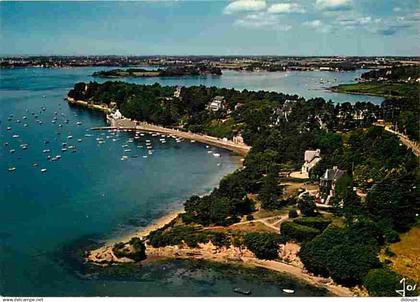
172, 71
328, 229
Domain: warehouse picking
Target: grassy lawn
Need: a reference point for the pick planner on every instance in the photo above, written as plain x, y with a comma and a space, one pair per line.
251, 227
379, 88
406, 260
263, 213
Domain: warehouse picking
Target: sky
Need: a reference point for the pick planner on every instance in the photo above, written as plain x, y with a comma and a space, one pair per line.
242, 27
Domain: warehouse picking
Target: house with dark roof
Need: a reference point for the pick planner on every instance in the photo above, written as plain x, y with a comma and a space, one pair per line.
328, 183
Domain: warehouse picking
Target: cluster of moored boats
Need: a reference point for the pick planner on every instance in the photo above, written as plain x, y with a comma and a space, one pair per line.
129, 147
58, 119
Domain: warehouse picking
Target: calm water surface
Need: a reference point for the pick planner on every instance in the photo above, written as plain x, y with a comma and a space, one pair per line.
93, 194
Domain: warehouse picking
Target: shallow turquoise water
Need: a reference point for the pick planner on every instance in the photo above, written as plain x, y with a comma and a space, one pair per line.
92, 194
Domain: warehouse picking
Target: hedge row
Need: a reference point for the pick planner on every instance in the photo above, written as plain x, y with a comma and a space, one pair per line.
298, 232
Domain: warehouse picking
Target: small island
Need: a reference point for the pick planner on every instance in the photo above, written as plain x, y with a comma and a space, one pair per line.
172, 71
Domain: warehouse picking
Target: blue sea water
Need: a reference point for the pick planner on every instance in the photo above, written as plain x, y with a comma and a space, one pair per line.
92, 193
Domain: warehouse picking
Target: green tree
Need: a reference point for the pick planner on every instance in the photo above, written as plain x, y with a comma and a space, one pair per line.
263, 245
382, 282
307, 206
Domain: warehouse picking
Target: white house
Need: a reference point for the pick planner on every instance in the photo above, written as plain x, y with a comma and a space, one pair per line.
312, 157
217, 103
116, 115
177, 92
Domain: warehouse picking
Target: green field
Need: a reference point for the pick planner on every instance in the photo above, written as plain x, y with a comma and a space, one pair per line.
385, 89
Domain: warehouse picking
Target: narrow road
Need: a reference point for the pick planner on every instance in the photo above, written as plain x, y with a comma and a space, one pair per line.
266, 221
413, 146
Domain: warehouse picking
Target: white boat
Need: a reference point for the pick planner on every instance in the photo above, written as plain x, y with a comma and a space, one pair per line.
46, 150
288, 291
124, 157
79, 123
209, 152
63, 149
216, 155
69, 137
43, 170
193, 141
144, 156
79, 140
12, 151
9, 128
12, 169
15, 136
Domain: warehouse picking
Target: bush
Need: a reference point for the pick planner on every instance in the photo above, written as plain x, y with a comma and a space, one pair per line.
382, 282
137, 251
263, 245
297, 232
313, 222
391, 236
307, 205
293, 213
220, 239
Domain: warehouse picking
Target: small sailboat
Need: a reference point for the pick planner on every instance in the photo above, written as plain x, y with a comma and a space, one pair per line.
43, 170
12, 169
242, 291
